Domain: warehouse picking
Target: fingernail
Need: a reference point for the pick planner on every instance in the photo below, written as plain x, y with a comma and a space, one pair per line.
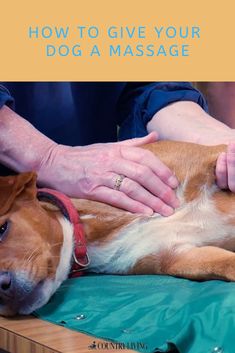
173, 182
167, 211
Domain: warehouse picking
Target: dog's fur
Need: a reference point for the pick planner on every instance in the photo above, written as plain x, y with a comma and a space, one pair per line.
196, 242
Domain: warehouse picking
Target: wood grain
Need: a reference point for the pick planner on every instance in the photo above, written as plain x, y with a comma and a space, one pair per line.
31, 335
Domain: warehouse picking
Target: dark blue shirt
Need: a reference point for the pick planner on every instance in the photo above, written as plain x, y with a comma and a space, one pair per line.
83, 113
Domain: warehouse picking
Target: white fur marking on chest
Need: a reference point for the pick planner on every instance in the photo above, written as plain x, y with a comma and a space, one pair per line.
64, 266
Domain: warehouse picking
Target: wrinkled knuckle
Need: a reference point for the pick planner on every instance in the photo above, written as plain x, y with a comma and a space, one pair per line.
115, 199
164, 173
142, 173
137, 173
128, 187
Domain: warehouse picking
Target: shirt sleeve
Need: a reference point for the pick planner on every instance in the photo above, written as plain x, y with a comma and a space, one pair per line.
140, 101
5, 97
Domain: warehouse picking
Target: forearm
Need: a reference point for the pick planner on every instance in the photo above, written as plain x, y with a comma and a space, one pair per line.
22, 147
187, 121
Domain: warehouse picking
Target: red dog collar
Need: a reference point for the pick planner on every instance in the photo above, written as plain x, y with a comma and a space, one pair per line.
81, 260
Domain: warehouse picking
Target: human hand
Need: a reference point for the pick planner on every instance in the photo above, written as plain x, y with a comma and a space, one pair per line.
225, 168
91, 172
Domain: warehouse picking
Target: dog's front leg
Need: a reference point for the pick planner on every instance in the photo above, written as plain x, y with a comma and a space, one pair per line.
208, 262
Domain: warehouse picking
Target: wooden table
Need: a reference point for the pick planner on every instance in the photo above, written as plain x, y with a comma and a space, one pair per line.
31, 335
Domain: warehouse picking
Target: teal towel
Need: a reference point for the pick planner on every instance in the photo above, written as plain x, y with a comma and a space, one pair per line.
148, 313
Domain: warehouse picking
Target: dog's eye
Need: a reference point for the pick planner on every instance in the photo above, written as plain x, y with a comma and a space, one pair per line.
3, 230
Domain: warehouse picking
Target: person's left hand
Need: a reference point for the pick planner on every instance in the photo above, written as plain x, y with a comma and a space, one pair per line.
225, 169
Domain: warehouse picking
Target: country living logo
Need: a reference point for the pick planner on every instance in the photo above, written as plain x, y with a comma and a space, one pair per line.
117, 345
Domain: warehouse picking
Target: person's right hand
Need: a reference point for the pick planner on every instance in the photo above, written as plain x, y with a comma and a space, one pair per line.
91, 172
225, 168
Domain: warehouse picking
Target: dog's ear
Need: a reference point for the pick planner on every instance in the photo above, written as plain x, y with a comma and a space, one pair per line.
22, 185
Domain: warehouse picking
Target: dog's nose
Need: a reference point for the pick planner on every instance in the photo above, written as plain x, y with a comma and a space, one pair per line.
5, 282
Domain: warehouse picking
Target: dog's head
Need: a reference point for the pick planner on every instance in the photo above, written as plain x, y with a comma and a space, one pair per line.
30, 244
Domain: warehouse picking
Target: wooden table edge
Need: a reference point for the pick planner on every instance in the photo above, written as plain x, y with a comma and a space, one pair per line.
26, 334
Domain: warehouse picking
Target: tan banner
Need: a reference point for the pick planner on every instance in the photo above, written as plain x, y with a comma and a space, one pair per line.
129, 40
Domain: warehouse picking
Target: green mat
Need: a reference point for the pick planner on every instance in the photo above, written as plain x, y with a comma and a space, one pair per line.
148, 313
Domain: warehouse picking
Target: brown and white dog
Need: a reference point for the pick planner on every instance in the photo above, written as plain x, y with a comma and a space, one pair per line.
37, 245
